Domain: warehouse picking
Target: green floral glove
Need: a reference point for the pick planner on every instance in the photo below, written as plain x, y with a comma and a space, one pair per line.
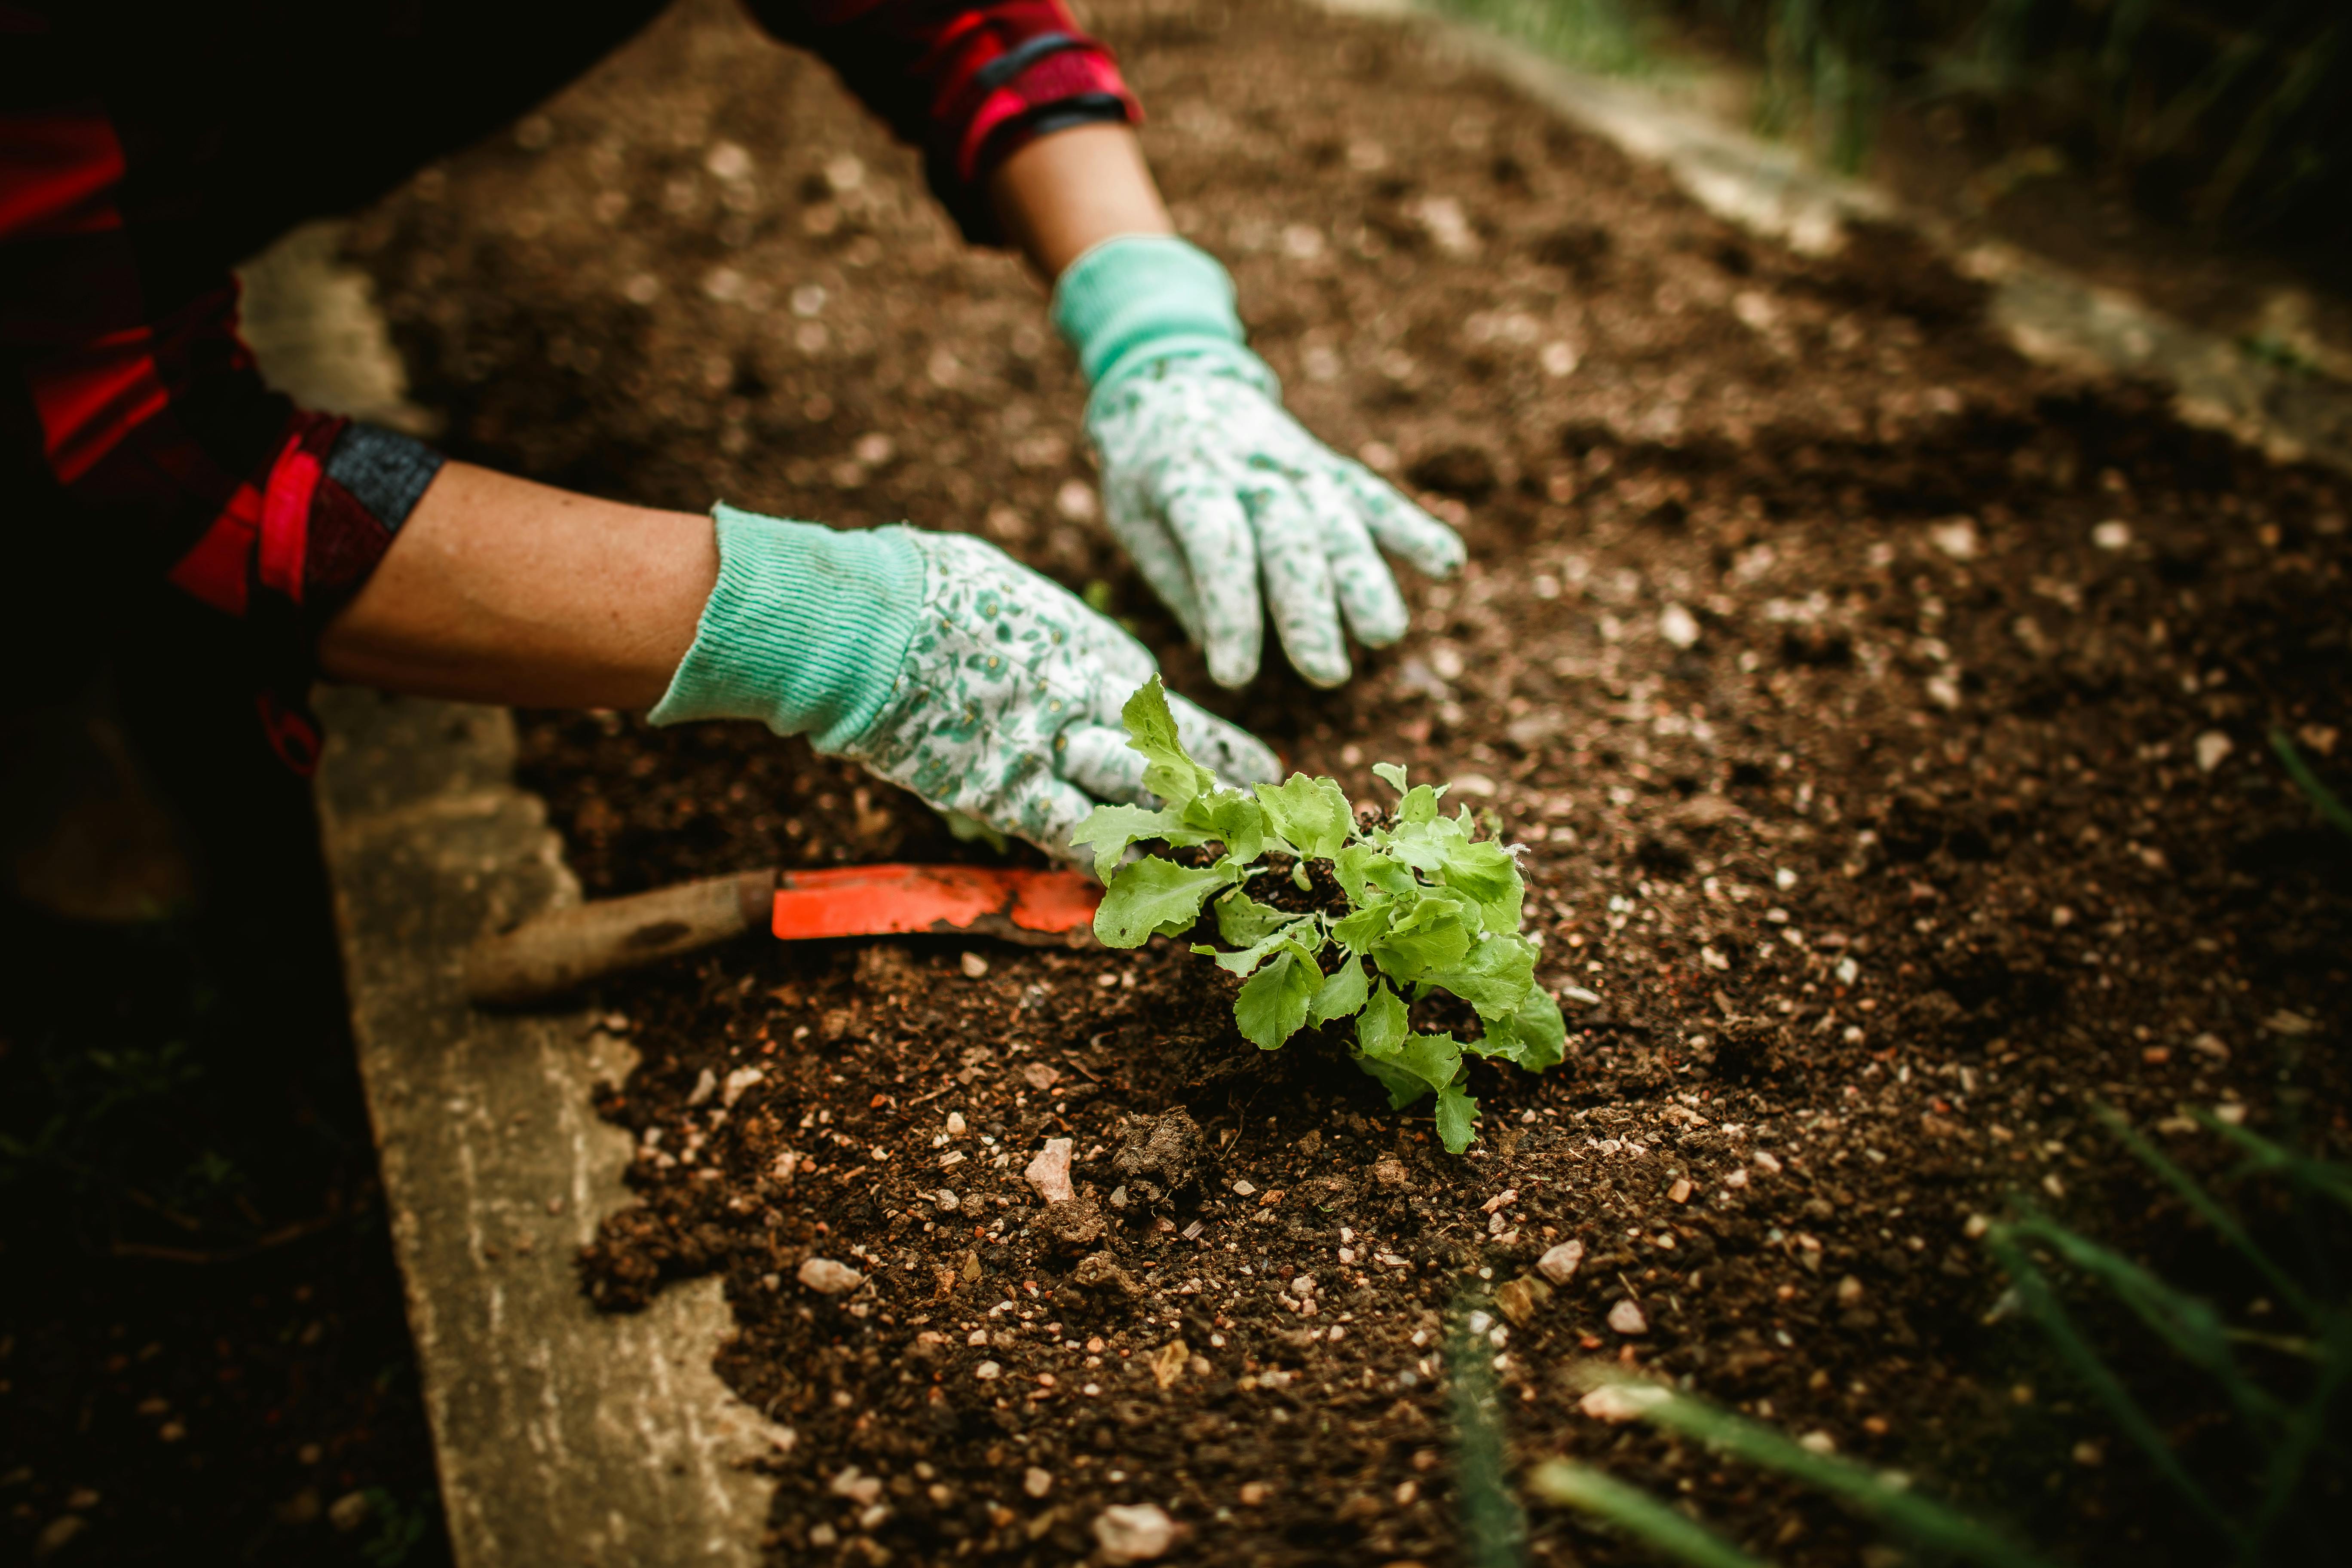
941, 663
1228, 506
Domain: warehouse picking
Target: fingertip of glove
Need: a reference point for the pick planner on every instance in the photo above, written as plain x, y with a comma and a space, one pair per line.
1232, 670
1327, 678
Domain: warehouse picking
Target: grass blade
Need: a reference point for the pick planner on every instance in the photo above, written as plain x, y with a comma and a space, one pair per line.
2192, 1328
2033, 1289
2265, 1158
2202, 1203
1638, 1514
1923, 1520
2307, 1428
2320, 795
1493, 1529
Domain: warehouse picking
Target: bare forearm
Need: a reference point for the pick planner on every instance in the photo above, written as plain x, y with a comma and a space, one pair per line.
1062, 194
498, 590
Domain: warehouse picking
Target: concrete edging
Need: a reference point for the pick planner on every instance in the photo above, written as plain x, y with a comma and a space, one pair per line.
563, 1435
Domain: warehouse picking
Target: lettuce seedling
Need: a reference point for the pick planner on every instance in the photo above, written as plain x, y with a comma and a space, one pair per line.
1430, 907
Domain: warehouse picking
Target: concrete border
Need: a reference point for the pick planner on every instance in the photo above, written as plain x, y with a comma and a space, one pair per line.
2047, 313
563, 1435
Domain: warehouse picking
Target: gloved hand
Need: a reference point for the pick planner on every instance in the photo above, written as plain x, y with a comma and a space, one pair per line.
1212, 488
942, 663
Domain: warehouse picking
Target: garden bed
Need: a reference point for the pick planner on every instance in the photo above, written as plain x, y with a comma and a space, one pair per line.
1885, 716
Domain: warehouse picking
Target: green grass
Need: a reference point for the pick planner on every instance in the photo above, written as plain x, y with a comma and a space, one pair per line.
2289, 1418
2229, 116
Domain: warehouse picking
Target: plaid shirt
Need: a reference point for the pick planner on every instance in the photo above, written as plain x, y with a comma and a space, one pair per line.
144, 150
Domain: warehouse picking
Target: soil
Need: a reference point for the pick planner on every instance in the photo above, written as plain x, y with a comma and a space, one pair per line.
1885, 716
201, 1334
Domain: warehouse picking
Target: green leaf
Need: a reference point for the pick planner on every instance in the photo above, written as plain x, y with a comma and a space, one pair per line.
1312, 815
1485, 872
1272, 1006
1381, 1026
1364, 868
1358, 932
1495, 976
1258, 930
1169, 772
1403, 1087
1420, 804
1342, 994
1154, 895
1389, 774
1455, 1112
1435, 1059
1428, 935
1534, 1038
1231, 817
1111, 828
1242, 919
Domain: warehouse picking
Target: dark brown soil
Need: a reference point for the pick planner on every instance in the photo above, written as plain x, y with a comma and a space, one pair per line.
1860, 691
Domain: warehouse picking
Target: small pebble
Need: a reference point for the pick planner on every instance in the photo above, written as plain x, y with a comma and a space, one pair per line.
1818, 1443
1134, 1532
974, 966
1849, 1291
348, 1512
704, 1087
827, 1278
2213, 748
1558, 1265
957, 1127
1626, 1318
1049, 1172
1037, 1482
987, 1371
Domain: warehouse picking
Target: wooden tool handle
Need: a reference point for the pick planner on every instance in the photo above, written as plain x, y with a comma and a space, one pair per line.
565, 949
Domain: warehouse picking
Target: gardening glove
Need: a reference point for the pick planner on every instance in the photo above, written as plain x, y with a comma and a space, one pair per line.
938, 662
1216, 491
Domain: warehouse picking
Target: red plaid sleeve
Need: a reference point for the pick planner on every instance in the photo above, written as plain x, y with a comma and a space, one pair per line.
134, 414
967, 83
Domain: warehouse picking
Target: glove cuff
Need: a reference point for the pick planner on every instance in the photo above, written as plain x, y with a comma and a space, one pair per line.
1142, 297
804, 631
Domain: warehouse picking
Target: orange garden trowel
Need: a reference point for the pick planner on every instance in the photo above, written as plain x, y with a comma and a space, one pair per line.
565, 949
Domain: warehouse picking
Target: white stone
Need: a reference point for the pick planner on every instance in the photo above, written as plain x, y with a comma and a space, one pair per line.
1134, 1532
1558, 1265
827, 1278
2213, 748
1626, 1318
974, 966
704, 1087
1957, 538
1049, 1172
737, 1082
1679, 626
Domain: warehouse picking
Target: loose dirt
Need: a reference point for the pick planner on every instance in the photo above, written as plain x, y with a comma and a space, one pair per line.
1885, 719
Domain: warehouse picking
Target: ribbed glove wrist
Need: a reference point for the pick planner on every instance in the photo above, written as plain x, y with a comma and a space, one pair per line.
805, 630
1144, 298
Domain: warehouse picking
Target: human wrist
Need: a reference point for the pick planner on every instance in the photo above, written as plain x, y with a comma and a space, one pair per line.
1139, 298
804, 630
